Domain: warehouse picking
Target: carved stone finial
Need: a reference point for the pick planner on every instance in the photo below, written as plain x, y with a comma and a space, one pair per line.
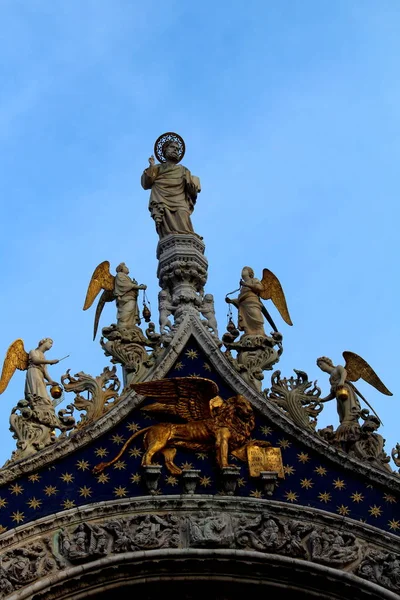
190, 479
229, 480
151, 477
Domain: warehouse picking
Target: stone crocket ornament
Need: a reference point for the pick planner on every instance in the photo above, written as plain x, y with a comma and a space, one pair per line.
120, 288
173, 188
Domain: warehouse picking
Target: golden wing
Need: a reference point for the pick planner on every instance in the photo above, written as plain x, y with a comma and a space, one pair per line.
16, 358
272, 290
107, 296
186, 397
357, 368
101, 280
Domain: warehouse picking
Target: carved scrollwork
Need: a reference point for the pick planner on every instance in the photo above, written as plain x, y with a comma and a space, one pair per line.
33, 423
255, 354
362, 442
129, 348
142, 532
189, 524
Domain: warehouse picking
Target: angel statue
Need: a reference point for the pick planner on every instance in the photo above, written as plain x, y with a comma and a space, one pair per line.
37, 379
120, 288
251, 309
35, 363
346, 394
173, 188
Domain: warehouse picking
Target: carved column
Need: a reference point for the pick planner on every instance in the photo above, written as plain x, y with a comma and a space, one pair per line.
182, 272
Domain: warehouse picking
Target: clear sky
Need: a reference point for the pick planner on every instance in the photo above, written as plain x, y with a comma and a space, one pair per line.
291, 116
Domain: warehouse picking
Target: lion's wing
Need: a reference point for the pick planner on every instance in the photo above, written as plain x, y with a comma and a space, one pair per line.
186, 397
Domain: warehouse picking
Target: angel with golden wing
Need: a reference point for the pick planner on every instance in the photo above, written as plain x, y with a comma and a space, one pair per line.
251, 309
120, 288
34, 363
345, 392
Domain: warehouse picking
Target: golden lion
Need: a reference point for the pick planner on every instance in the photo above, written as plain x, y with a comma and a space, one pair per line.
211, 422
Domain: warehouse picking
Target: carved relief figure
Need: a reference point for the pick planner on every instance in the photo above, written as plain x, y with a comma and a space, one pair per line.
173, 188
251, 310
152, 531
121, 288
165, 309
211, 422
208, 311
345, 392
333, 547
210, 530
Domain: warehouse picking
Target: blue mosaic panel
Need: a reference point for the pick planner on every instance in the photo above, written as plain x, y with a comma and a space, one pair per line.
309, 479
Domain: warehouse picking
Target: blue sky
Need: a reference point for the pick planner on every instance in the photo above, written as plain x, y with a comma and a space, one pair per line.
291, 116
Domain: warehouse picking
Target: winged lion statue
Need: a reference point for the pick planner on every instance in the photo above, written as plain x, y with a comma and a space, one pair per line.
208, 421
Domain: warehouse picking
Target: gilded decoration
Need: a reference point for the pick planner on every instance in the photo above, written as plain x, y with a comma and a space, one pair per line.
210, 423
177, 446
311, 478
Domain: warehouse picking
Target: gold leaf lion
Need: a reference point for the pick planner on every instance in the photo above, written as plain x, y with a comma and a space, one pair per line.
211, 422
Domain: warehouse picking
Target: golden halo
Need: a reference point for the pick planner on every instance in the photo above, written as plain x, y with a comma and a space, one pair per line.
168, 137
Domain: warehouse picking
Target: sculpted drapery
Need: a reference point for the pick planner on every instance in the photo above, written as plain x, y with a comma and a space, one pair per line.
248, 303
173, 192
126, 292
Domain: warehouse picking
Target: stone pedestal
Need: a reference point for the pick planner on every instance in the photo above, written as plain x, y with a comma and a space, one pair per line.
182, 274
182, 268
